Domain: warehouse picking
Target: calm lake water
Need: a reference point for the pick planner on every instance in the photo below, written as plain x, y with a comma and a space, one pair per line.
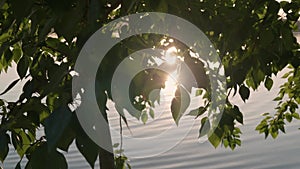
255, 152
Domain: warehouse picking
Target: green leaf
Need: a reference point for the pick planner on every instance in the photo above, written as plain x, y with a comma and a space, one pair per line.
216, 137
116, 145
266, 133
22, 67
286, 74
59, 46
274, 132
144, 117
198, 112
238, 142
205, 127
151, 113
268, 83
237, 131
119, 151
199, 92
296, 116
4, 37
17, 53
226, 143
55, 125
265, 114
288, 117
128, 166
21, 141
121, 162
4, 140
193, 113
282, 128
258, 76
44, 115
180, 103
244, 92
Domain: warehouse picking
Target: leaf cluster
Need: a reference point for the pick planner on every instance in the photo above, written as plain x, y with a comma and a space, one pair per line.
44, 37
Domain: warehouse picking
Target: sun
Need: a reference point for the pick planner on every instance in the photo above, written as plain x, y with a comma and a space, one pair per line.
171, 58
170, 61
171, 55
170, 85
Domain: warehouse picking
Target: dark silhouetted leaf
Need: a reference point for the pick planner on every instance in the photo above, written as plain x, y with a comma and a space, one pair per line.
238, 114
18, 166
180, 103
87, 148
4, 140
10, 86
22, 67
55, 125
244, 92
205, 127
42, 158
66, 139
268, 83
